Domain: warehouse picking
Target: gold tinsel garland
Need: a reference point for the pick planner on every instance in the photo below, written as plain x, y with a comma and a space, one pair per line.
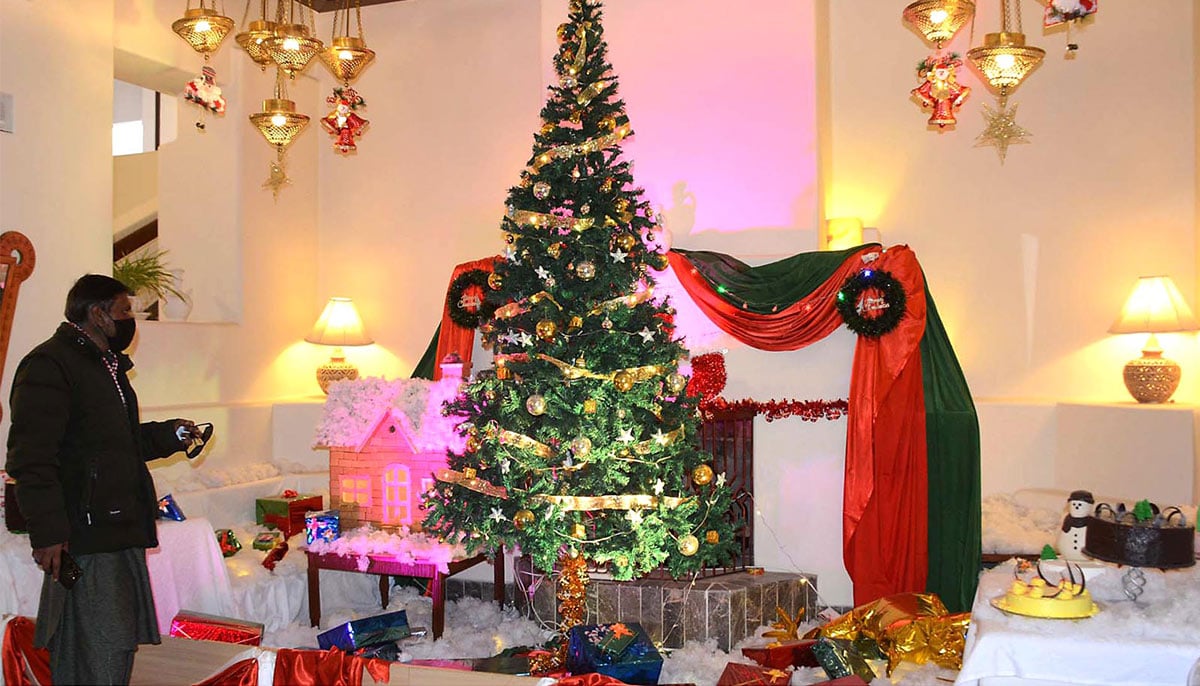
591, 503
526, 443
569, 150
468, 479
544, 220
519, 307
571, 372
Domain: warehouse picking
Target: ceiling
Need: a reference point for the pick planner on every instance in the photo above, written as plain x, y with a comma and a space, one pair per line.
331, 5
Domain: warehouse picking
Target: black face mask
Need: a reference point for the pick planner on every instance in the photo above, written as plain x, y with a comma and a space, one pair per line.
123, 335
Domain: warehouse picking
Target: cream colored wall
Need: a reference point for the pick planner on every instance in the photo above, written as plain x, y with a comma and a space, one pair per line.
135, 191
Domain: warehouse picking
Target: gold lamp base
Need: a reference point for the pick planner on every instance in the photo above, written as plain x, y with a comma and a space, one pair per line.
1152, 378
337, 369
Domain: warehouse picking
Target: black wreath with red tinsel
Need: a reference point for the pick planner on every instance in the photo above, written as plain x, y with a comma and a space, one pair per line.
462, 313
871, 302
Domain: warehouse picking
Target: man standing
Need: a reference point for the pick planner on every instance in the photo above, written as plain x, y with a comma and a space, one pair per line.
77, 450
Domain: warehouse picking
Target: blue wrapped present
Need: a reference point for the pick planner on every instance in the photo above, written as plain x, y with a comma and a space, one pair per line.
365, 632
621, 651
325, 525
167, 509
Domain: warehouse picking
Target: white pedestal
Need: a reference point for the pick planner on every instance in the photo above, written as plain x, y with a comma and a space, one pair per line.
1128, 449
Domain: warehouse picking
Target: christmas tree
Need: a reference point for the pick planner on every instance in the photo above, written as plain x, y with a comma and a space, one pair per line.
584, 439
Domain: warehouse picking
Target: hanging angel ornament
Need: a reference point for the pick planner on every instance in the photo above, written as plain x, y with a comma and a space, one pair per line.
343, 122
204, 91
941, 91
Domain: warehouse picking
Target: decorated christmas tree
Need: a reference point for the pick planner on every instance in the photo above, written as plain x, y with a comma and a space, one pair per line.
583, 443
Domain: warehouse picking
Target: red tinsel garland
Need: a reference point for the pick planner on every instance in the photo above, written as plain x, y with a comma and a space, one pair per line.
807, 410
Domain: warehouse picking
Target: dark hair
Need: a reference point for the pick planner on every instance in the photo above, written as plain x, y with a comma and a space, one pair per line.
89, 290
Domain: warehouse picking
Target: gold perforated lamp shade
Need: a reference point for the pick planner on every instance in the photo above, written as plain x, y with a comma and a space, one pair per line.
252, 39
292, 48
1155, 306
347, 57
339, 325
203, 28
1005, 60
939, 20
279, 122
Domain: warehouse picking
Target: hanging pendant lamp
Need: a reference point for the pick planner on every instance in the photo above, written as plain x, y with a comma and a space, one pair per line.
203, 27
939, 20
1004, 59
257, 32
293, 45
347, 55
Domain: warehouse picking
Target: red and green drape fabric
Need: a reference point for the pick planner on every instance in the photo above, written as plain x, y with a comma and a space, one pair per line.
911, 507
450, 335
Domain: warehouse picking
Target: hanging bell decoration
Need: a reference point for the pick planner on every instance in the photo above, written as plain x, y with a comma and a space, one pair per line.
347, 55
203, 27
257, 32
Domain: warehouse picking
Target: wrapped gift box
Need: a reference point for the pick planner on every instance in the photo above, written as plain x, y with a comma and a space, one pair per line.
633, 661
841, 659
201, 627
366, 632
228, 542
286, 512
168, 509
738, 674
325, 525
267, 540
784, 655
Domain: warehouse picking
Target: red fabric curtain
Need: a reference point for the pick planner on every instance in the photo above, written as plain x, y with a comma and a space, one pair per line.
453, 337
885, 505
23, 665
326, 668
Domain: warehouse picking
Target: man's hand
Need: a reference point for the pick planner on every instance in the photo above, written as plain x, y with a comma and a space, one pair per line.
50, 558
186, 430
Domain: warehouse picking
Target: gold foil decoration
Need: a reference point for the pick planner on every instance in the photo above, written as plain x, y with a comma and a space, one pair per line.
623, 301
588, 94
786, 628
543, 220
526, 443
590, 406
591, 503
569, 150
572, 372
468, 479
514, 309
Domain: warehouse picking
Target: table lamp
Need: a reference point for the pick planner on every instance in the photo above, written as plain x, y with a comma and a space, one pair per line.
1155, 306
339, 325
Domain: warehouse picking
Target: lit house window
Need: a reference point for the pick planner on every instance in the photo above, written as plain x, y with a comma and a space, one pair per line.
396, 485
356, 489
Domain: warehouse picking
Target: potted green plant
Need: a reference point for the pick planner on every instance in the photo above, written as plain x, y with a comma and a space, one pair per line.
148, 276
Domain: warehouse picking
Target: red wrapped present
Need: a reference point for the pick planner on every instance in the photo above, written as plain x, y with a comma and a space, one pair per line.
738, 674
784, 655
286, 511
852, 680
201, 627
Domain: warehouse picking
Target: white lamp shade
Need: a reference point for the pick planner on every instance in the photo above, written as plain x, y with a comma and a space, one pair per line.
1155, 306
339, 325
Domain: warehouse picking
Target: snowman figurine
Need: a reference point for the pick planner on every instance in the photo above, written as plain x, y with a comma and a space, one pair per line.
1074, 526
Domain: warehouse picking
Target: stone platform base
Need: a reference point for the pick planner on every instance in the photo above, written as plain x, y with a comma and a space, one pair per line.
725, 608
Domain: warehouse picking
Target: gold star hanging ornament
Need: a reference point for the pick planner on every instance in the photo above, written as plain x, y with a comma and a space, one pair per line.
1002, 129
277, 179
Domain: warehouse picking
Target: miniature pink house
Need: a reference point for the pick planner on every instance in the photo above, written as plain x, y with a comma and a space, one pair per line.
385, 441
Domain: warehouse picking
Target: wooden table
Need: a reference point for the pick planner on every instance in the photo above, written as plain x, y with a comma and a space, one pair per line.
387, 567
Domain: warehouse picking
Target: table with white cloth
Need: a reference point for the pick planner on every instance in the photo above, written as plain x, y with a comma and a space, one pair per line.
186, 572
1151, 642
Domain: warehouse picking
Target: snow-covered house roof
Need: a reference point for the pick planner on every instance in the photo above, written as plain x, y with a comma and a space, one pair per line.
355, 409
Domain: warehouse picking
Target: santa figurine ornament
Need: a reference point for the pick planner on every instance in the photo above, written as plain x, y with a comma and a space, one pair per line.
1074, 527
204, 91
941, 91
343, 123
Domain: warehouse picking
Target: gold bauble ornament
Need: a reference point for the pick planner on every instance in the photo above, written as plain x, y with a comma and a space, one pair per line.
548, 128
546, 329
554, 250
563, 31
712, 536
503, 373
586, 270
676, 382
702, 475
623, 381
495, 281
622, 205
626, 241
541, 190
590, 406
575, 324
581, 446
576, 117
473, 444
689, 545
522, 519
607, 186
536, 405
577, 531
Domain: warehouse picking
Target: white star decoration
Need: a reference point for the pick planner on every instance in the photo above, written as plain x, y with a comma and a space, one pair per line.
497, 515
634, 517
525, 339
1002, 130
505, 465
660, 437
618, 256
721, 479
542, 273
646, 334
658, 487
626, 436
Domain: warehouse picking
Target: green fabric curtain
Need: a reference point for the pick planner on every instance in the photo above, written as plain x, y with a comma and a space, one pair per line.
952, 452
428, 363
769, 287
